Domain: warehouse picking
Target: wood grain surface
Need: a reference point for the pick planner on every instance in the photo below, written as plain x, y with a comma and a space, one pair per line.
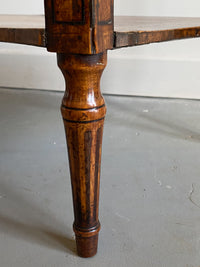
23, 29
83, 110
79, 27
132, 31
128, 31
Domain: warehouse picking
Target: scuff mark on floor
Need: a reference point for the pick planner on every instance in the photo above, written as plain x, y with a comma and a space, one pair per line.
122, 217
190, 197
168, 186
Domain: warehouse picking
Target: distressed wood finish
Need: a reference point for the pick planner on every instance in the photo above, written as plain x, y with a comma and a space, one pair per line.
34, 37
83, 110
22, 29
132, 31
128, 31
79, 26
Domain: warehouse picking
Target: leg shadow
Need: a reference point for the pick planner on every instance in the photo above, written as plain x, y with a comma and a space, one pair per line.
22, 219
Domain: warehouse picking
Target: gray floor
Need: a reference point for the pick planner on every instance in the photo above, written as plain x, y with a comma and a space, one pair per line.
150, 183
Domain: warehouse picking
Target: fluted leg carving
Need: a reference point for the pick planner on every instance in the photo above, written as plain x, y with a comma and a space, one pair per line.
83, 110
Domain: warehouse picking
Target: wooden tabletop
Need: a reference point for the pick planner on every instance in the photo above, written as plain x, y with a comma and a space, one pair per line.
131, 31
23, 29
128, 31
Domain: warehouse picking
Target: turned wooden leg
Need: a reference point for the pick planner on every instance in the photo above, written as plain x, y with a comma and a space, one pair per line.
83, 110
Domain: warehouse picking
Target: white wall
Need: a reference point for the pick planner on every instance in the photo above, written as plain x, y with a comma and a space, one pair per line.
167, 69
22, 7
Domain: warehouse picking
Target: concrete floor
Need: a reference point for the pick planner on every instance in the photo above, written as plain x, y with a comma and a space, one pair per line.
150, 183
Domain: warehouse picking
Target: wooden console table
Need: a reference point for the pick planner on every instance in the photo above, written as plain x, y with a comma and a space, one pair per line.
81, 32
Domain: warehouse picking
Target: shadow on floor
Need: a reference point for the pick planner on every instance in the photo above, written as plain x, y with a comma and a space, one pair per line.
23, 220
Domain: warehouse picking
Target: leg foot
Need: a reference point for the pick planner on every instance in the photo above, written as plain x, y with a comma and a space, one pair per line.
87, 241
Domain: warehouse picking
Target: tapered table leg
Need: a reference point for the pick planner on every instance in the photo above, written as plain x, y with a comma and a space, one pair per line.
83, 110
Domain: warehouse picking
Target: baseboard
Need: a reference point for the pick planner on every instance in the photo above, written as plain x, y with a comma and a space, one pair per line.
156, 77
